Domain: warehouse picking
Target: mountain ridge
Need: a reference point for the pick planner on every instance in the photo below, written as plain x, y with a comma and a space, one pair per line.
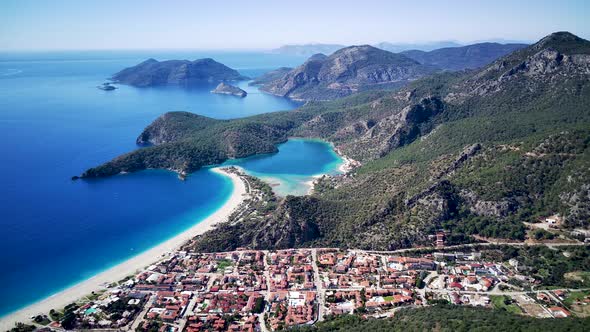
313, 48
472, 153
425, 47
346, 71
464, 57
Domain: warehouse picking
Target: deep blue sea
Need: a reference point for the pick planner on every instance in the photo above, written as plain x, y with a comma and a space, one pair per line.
54, 124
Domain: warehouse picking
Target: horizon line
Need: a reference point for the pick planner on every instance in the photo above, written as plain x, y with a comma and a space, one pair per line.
266, 49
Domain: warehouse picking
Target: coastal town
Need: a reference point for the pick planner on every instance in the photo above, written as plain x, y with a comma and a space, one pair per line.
185, 290
260, 290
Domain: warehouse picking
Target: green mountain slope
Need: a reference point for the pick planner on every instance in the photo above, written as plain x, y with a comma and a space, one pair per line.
449, 318
458, 152
471, 153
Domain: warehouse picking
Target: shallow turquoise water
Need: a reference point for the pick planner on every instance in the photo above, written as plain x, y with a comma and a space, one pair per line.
290, 170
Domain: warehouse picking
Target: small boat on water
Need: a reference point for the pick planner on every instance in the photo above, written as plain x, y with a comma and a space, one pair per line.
107, 87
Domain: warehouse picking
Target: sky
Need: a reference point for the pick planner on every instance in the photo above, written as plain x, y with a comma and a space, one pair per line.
261, 24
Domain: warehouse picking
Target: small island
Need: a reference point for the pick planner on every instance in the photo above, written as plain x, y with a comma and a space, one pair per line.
228, 89
107, 87
176, 72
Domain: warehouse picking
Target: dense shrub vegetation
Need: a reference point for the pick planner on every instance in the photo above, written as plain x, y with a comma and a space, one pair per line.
449, 318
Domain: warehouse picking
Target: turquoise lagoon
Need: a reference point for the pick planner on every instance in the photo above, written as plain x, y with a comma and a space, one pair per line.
291, 170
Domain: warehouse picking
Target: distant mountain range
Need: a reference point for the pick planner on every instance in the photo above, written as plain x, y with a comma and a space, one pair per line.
464, 57
358, 68
176, 72
429, 46
311, 49
348, 70
321, 77
307, 49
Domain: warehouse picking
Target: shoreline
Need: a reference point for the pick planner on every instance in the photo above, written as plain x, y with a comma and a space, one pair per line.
347, 165
133, 264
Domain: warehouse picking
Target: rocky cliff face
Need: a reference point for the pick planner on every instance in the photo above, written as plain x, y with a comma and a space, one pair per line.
304, 76
228, 89
558, 58
394, 130
347, 71
176, 72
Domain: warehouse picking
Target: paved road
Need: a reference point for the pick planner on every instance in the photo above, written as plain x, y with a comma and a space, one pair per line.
496, 292
318, 285
142, 314
266, 293
459, 246
471, 245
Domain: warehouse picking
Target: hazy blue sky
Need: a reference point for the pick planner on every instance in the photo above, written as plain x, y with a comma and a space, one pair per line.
226, 24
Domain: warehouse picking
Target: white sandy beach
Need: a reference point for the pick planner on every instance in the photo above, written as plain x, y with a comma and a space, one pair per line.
131, 265
311, 183
347, 165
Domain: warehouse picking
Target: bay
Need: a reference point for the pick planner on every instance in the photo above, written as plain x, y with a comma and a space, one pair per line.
54, 124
